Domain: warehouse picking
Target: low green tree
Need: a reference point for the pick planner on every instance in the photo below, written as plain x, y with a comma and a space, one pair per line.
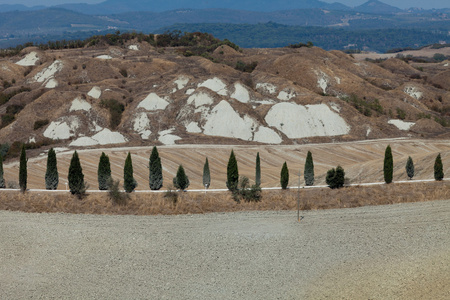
117, 196
155, 168
206, 174
232, 173
51, 174
23, 170
438, 168
284, 176
181, 181
246, 192
258, 170
388, 168
309, 170
129, 183
75, 177
410, 168
104, 172
2, 180
335, 178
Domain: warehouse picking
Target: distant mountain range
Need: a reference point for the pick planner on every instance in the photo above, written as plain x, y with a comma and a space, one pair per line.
20, 24
18, 7
109, 7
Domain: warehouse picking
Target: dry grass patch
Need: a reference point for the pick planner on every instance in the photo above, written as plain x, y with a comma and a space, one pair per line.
198, 203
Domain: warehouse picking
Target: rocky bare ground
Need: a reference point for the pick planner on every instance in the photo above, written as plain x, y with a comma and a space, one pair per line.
384, 252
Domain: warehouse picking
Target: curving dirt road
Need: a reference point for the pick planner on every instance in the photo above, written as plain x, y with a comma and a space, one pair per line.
383, 252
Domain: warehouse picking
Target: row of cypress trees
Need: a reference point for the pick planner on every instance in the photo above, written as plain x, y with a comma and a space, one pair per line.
388, 167
77, 186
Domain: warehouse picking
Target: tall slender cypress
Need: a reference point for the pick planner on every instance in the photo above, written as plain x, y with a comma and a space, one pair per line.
2, 180
129, 183
284, 176
258, 171
155, 176
232, 173
438, 168
206, 175
23, 170
181, 181
75, 176
388, 168
51, 174
309, 170
104, 172
410, 168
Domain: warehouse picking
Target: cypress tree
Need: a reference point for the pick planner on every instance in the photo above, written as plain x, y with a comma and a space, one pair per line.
129, 184
104, 172
284, 176
75, 176
51, 175
155, 176
232, 173
23, 170
388, 168
206, 175
181, 181
258, 171
309, 170
410, 168
438, 168
2, 180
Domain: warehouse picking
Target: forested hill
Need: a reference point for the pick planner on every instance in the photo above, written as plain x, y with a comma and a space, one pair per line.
272, 35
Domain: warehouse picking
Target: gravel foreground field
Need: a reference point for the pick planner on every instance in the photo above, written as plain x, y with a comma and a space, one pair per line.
377, 252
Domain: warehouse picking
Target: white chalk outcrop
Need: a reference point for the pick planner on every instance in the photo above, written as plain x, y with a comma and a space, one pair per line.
181, 82
266, 88
402, 125
216, 85
413, 92
240, 93
105, 57
133, 47
286, 95
153, 102
167, 138
298, 121
51, 84
193, 128
322, 80
47, 75
104, 137
62, 129
80, 104
141, 125
267, 136
225, 121
95, 92
200, 99
29, 60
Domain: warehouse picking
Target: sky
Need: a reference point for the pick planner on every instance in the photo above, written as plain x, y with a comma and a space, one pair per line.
398, 3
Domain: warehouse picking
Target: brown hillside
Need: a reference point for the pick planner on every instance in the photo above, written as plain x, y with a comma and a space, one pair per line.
293, 96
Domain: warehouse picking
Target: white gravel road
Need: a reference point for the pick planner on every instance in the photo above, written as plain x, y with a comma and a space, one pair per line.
383, 252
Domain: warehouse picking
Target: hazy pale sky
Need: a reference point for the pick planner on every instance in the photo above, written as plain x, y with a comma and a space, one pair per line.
397, 3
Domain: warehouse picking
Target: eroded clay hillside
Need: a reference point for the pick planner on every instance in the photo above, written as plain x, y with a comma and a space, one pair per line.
74, 97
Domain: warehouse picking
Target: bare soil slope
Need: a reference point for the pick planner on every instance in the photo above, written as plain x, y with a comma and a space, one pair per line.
383, 252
